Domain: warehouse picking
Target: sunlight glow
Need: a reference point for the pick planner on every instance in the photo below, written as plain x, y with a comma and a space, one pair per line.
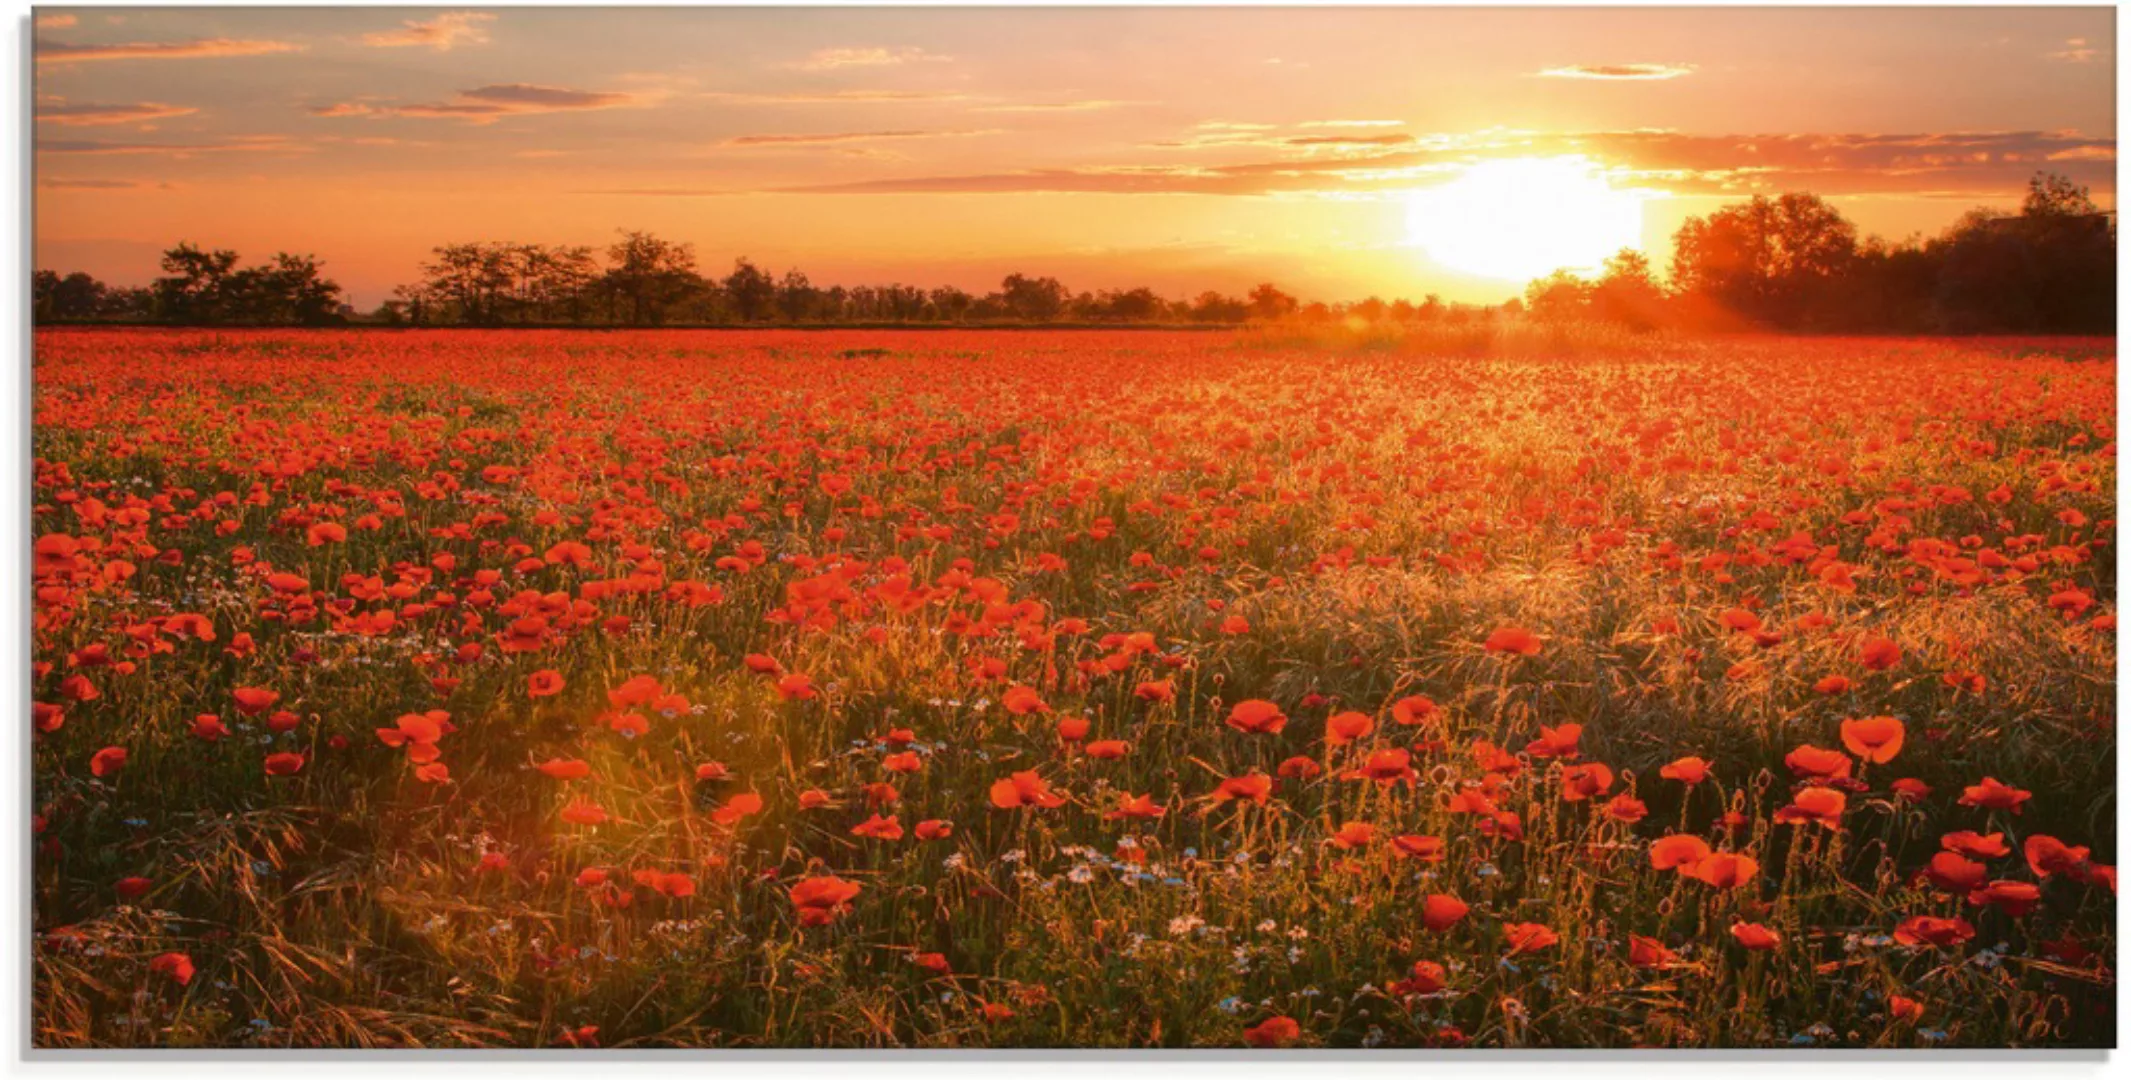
1523, 218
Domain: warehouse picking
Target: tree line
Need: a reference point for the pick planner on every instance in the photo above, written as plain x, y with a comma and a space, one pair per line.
1788, 263
199, 287
1794, 263
649, 281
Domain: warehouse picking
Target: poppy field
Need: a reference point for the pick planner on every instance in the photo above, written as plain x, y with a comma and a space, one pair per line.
1082, 689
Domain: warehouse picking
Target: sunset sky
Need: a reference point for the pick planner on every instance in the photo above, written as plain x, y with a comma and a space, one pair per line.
1185, 148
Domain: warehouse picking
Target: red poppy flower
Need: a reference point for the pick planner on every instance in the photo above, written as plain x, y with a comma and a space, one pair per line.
1580, 782
1273, 1032
1414, 711
1528, 937
1993, 795
1878, 653
1678, 851
877, 827
1755, 937
1876, 739
1649, 953
1932, 930
2015, 898
1255, 787
1955, 874
1024, 789
565, 768
1556, 742
1814, 805
106, 761
1413, 846
546, 683
1347, 727
175, 965
1723, 870
1354, 834
1257, 717
1687, 770
252, 700
1299, 768
1817, 763
2048, 856
819, 900
1514, 640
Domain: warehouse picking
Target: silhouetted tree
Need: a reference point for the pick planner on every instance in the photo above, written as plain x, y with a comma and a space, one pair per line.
649, 275
1267, 302
75, 297
751, 291
1558, 297
1032, 299
206, 287
951, 304
2051, 267
1768, 260
194, 285
796, 296
1212, 307
1627, 293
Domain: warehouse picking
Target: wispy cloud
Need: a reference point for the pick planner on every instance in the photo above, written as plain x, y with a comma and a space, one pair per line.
837, 97
61, 52
1351, 123
530, 96
875, 56
668, 192
1217, 134
2076, 51
839, 137
65, 184
87, 114
343, 108
250, 143
1337, 141
1619, 72
1089, 105
1730, 165
56, 22
487, 104
443, 33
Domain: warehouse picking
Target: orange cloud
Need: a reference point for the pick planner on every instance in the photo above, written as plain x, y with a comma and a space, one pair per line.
831, 59
342, 108
1090, 105
2076, 51
60, 52
84, 114
487, 104
442, 33
104, 185
1619, 72
1835, 164
55, 22
1351, 140
1226, 133
832, 138
832, 97
104, 146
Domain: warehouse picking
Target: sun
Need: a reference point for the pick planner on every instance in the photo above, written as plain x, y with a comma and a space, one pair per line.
1523, 218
